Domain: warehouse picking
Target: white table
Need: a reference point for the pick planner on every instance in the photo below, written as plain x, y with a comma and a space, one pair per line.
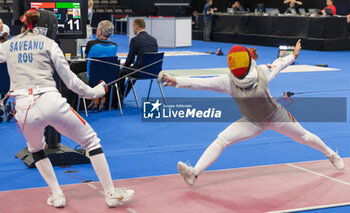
170, 32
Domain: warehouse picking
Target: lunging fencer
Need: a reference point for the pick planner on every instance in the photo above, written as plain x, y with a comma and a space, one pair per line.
32, 57
248, 85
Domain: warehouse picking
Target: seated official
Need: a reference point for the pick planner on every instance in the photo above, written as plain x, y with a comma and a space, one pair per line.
101, 47
140, 44
331, 6
237, 6
293, 5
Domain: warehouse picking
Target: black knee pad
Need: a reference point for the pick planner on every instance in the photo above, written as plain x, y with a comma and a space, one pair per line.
37, 156
96, 152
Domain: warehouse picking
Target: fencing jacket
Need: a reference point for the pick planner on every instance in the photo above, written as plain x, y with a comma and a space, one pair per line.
31, 62
256, 103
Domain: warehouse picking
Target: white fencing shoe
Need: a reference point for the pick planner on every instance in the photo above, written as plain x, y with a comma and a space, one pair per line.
119, 197
58, 201
187, 172
336, 160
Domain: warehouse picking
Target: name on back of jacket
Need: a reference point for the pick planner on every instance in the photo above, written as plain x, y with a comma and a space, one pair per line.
25, 49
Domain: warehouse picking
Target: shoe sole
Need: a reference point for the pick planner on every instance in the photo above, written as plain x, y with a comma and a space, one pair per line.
59, 206
180, 170
342, 169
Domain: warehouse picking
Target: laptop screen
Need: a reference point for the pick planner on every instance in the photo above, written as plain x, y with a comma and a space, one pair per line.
82, 51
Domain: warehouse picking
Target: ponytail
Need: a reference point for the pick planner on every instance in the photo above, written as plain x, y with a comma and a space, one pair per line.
30, 18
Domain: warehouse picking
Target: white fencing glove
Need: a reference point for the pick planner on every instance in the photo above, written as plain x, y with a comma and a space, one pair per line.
100, 90
166, 79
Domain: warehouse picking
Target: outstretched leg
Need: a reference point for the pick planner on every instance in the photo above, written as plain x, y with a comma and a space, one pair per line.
284, 123
241, 130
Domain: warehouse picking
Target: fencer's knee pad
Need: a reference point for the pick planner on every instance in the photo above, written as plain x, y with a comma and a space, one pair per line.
37, 156
95, 152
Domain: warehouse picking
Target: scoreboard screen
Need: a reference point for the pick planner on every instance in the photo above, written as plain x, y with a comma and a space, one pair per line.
70, 15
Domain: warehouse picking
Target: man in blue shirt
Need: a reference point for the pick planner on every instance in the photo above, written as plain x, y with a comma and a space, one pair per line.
208, 12
101, 47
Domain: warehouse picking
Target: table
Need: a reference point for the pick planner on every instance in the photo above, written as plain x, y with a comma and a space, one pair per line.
319, 31
297, 26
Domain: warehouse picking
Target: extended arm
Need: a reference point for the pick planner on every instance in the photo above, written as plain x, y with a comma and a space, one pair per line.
271, 70
218, 84
70, 79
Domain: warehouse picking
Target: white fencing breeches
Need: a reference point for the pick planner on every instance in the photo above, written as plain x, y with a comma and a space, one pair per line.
51, 109
243, 129
282, 121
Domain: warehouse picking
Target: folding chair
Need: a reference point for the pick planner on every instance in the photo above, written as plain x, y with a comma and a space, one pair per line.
100, 71
149, 58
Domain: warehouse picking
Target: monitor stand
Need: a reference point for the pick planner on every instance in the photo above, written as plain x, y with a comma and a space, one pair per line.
69, 46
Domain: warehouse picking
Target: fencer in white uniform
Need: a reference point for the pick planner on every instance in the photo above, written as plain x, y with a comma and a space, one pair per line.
32, 59
249, 88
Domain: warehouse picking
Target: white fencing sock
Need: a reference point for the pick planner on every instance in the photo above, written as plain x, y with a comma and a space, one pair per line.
316, 143
46, 170
210, 155
99, 162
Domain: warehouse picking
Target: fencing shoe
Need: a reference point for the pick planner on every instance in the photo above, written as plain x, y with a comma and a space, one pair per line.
58, 201
187, 172
119, 197
336, 160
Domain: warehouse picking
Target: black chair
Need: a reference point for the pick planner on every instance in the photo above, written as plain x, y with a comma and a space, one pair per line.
104, 69
4, 79
149, 58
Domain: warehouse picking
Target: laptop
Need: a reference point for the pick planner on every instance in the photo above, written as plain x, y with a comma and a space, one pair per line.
272, 11
230, 10
82, 51
293, 11
313, 11
328, 12
302, 11
260, 7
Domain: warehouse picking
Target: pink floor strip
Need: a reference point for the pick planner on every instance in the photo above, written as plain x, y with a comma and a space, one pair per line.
253, 189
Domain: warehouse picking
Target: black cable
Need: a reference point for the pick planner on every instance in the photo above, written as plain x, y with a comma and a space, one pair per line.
289, 94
